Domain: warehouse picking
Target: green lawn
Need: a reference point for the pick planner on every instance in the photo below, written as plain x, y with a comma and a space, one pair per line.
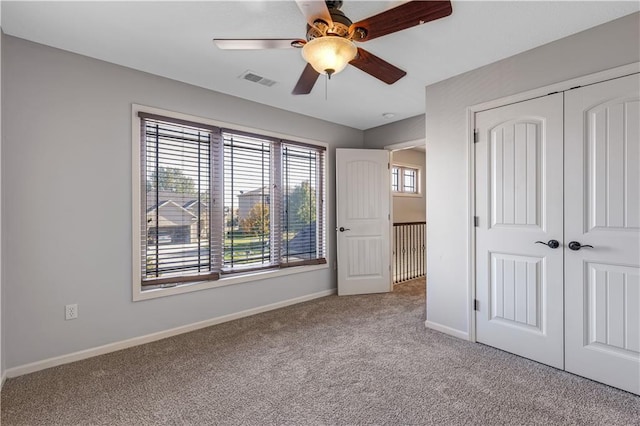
248, 248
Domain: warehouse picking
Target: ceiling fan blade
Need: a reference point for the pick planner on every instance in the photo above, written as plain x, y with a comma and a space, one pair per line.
405, 16
376, 67
246, 44
306, 82
313, 10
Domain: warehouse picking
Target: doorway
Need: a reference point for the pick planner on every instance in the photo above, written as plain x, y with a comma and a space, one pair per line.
408, 236
367, 261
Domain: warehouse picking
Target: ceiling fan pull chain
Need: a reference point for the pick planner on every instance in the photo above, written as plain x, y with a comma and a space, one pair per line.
326, 85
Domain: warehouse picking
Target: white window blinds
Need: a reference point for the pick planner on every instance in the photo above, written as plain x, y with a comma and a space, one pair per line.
247, 201
176, 202
220, 201
302, 205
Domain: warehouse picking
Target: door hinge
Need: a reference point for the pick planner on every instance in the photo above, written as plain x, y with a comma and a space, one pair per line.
476, 136
389, 216
476, 221
476, 305
388, 166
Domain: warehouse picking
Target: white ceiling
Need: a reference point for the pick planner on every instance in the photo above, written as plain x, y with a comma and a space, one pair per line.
173, 39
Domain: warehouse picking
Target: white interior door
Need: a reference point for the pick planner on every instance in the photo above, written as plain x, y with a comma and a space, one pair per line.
518, 203
363, 199
602, 208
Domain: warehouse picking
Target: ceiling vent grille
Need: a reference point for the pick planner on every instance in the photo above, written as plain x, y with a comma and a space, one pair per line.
255, 78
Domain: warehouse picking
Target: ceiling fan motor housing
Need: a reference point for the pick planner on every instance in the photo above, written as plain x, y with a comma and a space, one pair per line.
341, 23
340, 26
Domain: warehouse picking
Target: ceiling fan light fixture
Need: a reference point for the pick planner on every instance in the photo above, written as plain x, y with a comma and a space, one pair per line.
329, 54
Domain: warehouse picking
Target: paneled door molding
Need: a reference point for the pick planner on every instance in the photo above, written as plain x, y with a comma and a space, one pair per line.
562, 168
602, 230
586, 80
519, 222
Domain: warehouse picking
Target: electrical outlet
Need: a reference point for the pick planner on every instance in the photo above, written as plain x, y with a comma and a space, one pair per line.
71, 311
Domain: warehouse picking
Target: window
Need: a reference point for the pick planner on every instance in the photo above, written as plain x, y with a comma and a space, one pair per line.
217, 201
404, 180
176, 177
395, 179
302, 215
247, 201
409, 181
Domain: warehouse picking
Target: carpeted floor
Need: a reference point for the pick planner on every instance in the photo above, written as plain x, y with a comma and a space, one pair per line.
335, 360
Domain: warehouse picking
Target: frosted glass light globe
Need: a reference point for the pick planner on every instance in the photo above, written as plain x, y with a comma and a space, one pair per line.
329, 54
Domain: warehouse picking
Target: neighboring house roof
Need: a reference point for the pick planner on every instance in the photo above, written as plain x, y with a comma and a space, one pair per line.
180, 198
191, 203
156, 206
262, 191
184, 200
258, 191
170, 214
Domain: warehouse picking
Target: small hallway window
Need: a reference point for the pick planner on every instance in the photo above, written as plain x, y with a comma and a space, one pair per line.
405, 180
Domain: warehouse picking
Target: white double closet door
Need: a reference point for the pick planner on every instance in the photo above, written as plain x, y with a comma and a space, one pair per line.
558, 235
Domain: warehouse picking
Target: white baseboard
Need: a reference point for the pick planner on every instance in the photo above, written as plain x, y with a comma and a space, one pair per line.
447, 330
135, 341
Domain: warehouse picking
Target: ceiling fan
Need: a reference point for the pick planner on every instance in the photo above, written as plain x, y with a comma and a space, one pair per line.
331, 37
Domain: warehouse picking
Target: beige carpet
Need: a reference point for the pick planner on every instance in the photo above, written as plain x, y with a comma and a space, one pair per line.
336, 360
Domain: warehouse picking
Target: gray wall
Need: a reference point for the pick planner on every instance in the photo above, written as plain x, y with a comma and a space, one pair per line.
66, 201
607, 46
409, 129
2, 358
410, 209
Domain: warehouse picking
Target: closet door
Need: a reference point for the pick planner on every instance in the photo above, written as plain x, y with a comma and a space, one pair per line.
519, 208
602, 214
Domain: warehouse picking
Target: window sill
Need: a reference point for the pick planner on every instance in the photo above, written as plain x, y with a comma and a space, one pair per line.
139, 294
407, 194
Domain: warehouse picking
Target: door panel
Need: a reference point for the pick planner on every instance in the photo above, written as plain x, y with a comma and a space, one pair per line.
519, 201
363, 199
612, 322
515, 153
516, 289
362, 184
611, 175
602, 170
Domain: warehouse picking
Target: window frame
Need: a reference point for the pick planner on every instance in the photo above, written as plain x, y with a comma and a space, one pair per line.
402, 167
138, 292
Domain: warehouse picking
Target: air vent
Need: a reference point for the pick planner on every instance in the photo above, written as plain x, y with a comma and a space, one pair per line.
255, 78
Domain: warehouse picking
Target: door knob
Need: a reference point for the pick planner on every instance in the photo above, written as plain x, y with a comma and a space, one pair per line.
575, 246
342, 229
554, 244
